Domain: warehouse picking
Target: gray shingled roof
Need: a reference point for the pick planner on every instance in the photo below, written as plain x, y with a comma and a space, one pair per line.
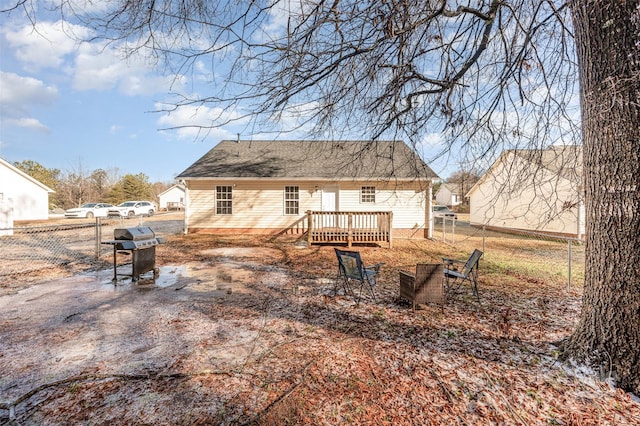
310, 160
565, 161
454, 188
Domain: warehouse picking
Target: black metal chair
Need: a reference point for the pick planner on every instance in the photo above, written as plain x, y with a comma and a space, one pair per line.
469, 273
352, 271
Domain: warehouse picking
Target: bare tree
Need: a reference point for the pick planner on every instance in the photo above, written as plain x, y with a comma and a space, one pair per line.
608, 45
77, 186
487, 75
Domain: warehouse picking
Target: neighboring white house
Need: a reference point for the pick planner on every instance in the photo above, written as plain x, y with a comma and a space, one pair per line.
532, 190
172, 198
449, 195
21, 196
267, 186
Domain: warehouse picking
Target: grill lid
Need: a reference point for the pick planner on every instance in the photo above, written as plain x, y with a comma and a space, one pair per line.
134, 234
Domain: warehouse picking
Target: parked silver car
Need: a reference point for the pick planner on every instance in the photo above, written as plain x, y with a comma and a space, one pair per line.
443, 212
89, 210
133, 208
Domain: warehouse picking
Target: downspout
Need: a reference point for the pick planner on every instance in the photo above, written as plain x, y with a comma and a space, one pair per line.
186, 207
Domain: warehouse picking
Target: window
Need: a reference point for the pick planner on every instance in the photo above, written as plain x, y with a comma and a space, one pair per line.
291, 199
368, 194
224, 199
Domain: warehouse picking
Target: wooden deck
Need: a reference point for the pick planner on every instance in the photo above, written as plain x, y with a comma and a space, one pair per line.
349, 227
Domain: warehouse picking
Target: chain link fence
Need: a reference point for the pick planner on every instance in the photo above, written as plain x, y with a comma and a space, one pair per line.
28, 251
543, 255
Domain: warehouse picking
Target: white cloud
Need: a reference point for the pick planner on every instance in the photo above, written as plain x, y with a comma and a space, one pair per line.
46, 44
80, 7
20, 94
193, 122
27, 123
297, 117
18, 91
281, 14
105, 68
97, 69
93, 66
432, 140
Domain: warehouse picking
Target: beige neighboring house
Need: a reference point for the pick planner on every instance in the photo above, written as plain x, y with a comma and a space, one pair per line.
21, 196
449, 195
172, 198
532, 190
268, 186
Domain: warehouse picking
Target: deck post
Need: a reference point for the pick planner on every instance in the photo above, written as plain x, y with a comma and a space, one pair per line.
390, 216
349, 229
309, 227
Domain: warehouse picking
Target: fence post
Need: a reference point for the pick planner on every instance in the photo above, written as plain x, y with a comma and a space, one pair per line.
98, 237
453, 230
569, 254
444, 230
484, 234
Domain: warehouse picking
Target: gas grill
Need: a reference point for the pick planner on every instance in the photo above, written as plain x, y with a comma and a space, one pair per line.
140, 242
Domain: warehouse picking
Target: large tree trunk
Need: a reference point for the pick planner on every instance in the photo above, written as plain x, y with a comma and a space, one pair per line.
608, 41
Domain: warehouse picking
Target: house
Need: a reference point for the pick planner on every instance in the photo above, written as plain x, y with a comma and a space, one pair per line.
532, 190
21, 196
172, 198
272, 186
449, 195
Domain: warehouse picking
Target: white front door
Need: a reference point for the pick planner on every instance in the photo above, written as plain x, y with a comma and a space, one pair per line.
330, 199
329, 204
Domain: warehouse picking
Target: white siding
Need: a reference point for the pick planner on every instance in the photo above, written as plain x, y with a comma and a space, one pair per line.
30, 200
514, 196
443, 196
407, 202
260, 204
446, 197
175, 194
256, 204
6, 217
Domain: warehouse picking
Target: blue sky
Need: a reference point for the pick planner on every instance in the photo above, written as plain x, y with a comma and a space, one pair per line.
80, 106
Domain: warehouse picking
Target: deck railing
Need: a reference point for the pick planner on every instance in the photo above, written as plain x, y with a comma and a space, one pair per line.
349, 227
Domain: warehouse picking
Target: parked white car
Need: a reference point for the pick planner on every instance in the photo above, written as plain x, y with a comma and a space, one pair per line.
443, 212
133, 208
89, 210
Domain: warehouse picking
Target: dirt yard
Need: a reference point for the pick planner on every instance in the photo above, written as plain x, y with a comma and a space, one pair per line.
239, 331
